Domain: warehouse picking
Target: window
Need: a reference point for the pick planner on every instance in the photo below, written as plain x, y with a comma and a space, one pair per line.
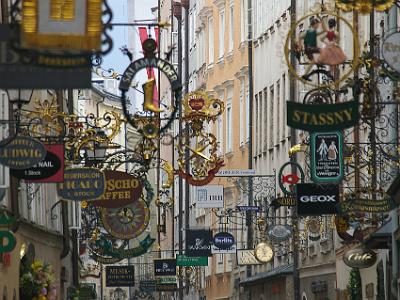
175, 48
283, 106
256, 115
243, 20
231, 27
247, 112
241, 112
278, 110
260, 122
210, 40
220, 132
265, 119
221, 37
271, 115
229, 129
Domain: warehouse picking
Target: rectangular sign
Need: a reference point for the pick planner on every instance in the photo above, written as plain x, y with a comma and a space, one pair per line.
120, 276
198, 243
166, 286
315, 199
216, 250
210, 196
367, 205
165, 267
326, 157
147, 285
246, 257
249, 208
322, 117
14, 74
186, 261
233, 173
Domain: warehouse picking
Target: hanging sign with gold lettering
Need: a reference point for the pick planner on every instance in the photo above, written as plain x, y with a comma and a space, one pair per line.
81, 184
22, 153
322, 117
121, 189
360, 258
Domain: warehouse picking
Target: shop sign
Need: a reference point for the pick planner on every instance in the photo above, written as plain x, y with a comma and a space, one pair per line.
391, 50
166, 286
121, 189
249, 208
117, 276
366, 205
50, 170
284, 201
210, 196
81, 184
147, 285
186, 261
314, 199
287, 180
22, 153
236, 173
246, 257
198, 242
360, 258
224, 243
279, 233
322, 117
165, 267
7, 238
13, 68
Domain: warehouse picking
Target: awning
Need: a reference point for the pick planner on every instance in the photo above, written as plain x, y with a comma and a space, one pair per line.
276, 272
380, 239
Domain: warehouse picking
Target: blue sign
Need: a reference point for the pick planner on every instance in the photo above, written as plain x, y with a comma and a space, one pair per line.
249, 208
224, 240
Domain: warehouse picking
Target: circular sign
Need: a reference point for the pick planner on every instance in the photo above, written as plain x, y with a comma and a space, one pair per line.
126, 222
279, 233
289, 181
22, 153
360, 258
263, 252
391, 50
224, 240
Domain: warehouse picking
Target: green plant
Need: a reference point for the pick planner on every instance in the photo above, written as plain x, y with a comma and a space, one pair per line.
355, 285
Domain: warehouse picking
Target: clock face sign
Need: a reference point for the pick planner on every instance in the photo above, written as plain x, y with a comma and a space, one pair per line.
126, 222
263, 252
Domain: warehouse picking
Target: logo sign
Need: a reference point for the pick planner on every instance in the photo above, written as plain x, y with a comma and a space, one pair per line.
249, 208
121, 189
147, 285
210, 196
284, 201
165, 267
120, 276
279, 233
287, 182
13, 68
234, 173
81, 184
390, 50
22, 153
186, 261
224, 242
366, 205
313, 199
246, 257
360, 258
51, 169
322, 117
198, 243
326, 157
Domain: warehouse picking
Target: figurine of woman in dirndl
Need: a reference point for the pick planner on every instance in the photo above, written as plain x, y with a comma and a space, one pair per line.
331, 54
332, 151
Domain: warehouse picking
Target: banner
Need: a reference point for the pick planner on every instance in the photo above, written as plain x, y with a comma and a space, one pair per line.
326, 157
119, 276
198, 242
314, 199
50, 170
165, 267
322, 117
210, 196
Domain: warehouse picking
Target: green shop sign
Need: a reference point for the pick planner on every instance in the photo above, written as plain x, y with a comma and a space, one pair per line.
322, 117
186, 261
326, 157
366, 205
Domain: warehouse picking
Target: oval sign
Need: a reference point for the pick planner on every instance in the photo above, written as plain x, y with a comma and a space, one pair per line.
360, 258
121, 189
224, 240
390, 50
279, 233
81, 184
22, 153
44, 169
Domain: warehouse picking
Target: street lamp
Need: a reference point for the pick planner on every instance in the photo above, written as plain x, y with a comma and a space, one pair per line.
19, 97
97, 150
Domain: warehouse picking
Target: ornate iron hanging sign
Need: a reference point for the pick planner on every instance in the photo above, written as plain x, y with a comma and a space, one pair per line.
51, 169
322, 117
326, 157
364, 6
22, 153
121, 189
279, 233
287, 182
81, 184
360, 258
